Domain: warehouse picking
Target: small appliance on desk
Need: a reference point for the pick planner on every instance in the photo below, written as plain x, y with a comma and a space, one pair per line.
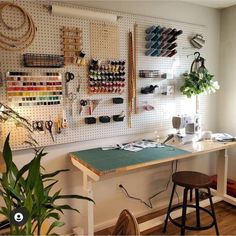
188, 127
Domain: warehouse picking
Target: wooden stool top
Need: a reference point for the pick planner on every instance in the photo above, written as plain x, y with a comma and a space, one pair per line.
191, 179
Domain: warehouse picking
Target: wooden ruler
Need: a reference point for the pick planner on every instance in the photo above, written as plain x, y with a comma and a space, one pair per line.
130, 79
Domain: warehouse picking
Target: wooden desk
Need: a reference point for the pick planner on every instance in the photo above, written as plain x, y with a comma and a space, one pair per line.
94, 171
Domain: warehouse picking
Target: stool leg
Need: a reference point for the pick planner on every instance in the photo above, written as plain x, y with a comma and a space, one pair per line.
213, 211
184, 209
197, 207
169, 208
191, 195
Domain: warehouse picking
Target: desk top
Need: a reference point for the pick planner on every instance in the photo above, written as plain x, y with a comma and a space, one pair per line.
102, 162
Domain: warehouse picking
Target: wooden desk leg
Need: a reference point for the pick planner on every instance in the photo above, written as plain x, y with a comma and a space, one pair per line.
222, 172
88, 217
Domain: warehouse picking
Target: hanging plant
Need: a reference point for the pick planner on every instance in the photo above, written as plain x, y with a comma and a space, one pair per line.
199, 80
196, 83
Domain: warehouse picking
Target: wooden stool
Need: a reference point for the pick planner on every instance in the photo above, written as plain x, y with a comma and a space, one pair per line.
191, 180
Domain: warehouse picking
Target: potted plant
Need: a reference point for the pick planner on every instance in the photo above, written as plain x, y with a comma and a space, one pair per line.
196, 83
198, 80
30, 188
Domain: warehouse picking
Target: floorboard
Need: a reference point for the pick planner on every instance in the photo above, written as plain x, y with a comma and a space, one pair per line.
226, 218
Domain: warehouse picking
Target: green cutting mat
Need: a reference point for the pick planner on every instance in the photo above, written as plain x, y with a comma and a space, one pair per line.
113, 159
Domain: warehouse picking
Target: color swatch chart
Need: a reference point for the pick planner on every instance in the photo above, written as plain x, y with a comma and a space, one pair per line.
28, 89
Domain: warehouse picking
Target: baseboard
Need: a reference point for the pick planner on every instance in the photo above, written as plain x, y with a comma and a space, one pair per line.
162, 205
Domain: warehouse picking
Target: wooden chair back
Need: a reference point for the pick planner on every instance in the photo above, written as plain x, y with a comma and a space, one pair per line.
126, 224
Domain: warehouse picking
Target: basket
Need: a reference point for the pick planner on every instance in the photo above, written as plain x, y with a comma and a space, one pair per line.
43, 60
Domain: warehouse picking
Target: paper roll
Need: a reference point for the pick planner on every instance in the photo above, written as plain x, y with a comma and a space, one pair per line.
76, 12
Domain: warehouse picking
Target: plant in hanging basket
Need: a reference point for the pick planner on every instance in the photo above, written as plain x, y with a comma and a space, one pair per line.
196, 83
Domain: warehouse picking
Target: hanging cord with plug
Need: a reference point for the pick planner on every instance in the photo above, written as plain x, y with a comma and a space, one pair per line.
174, 165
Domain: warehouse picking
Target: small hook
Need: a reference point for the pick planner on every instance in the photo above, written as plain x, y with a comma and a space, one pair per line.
198, 57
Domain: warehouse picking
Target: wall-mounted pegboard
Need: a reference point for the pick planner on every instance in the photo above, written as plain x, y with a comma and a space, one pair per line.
104, 41
48, 41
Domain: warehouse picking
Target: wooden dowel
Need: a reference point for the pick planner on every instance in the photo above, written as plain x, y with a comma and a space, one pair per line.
135, 69
130, 80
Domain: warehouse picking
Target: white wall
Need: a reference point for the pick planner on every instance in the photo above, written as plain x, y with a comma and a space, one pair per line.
226, 112
109, 199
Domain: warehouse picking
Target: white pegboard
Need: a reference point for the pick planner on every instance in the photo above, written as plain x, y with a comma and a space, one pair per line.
104, 41
47, 41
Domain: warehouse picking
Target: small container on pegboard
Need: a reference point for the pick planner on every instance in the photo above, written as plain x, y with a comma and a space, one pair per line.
106, 77
161, 41
43, 60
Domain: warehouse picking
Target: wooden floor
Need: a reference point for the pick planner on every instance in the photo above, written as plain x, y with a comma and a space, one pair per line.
226, 218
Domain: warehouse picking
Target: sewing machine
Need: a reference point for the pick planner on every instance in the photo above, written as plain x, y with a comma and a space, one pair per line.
188, 127
191, 124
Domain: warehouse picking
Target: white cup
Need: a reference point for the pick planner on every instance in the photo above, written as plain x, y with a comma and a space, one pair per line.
207, 135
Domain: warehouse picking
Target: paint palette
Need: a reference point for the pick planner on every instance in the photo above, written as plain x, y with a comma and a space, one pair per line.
27, 89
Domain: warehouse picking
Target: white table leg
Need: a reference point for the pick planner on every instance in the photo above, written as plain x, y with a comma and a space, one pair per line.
222, 172
88, 217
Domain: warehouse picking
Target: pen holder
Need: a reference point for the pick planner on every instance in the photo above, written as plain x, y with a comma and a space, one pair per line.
104, 119
90, 120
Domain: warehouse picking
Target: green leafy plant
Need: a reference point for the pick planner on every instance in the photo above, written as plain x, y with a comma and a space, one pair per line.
28, 187
196, 83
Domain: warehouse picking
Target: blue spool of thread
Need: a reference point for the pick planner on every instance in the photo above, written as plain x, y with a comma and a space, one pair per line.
150, 29
149, 36
149, 44
156, 37
157, 30
149, 52
156, 44
156, 53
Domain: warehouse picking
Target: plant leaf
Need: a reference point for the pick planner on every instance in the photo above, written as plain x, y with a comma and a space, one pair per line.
55, 224
7, 153
23, 170
64, 207
34, 170
48, 188
53, 173
74, 196
53, 215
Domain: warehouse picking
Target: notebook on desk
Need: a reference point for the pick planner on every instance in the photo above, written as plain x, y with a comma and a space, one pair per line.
223, 137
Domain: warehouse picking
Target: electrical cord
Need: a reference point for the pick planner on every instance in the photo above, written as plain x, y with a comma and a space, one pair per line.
149, 203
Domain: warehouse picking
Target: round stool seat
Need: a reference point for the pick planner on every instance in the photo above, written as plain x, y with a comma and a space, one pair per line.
191, 179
